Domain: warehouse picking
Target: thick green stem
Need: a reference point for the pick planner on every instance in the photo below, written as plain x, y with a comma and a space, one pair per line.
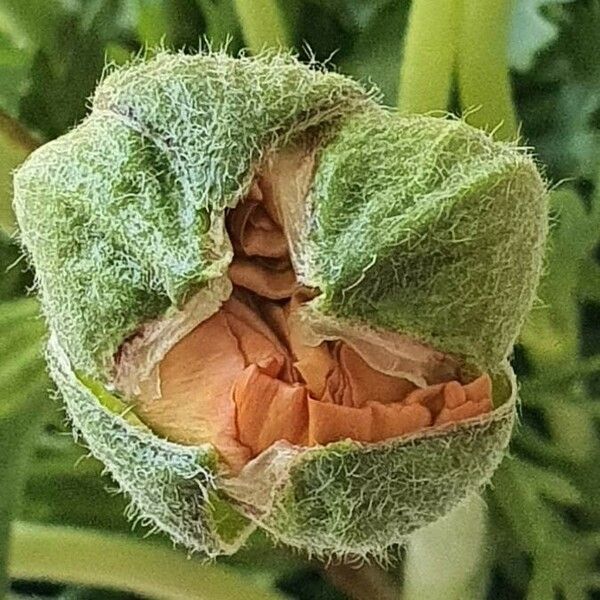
262, 24
446, 559
430, 50
89, 558
483, 76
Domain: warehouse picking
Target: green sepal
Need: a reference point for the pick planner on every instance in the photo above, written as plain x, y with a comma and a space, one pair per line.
356, 500
172, 487
427, 227
124, 216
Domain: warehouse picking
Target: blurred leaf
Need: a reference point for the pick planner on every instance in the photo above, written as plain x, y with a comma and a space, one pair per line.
563, 560
174, 23
65, 487
100, 559
68, 65
221, 23
559, 99
530, 32
15, 145
551, 332
377, 49
15, 277
23, 404
357, 16
15, 64
151, 21
30, 23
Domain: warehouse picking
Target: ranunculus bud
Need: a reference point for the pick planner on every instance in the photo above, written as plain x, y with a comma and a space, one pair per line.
275, 303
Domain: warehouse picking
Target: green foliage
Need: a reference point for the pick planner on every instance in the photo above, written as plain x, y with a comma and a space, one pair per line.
24, 403
559, 98
554, 478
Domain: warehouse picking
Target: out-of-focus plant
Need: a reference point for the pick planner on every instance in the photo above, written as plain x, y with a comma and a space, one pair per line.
542, 517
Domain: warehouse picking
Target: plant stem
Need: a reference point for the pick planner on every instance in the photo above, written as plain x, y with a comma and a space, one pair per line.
90, 558
446, 559
483, 75
262, 24
364, 583
430, 51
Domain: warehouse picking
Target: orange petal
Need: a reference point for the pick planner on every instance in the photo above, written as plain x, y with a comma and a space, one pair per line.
431, 397
369, 385
480, 388
269, 410
454, 394
275, 285
331, 423
195, 378
468, 410
393, 420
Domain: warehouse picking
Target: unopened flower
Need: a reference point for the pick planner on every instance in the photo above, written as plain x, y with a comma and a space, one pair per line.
274, 303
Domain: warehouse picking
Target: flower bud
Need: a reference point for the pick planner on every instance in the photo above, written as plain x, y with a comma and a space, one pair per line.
274, 303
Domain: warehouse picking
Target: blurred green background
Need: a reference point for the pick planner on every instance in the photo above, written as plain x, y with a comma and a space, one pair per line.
527, 64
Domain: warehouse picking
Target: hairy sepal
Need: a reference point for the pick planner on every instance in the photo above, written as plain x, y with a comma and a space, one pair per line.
426, 227
172, 488
124, 216
352, 500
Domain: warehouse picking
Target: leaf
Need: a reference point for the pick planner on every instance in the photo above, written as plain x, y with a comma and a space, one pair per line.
356, 16
101, 559
563, 560
221, 23
530, 32
15, 145
15, 277
377, 49
15, 64
23, 404
551, 332
29, 23
559, 98
68, 64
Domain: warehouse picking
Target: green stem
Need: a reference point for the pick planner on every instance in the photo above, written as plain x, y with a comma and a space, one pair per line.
262, 24
446, 559
363, 583
483, 75
430, 50
97, 559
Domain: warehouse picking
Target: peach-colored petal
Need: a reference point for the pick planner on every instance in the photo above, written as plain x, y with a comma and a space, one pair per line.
454, 394
369, 385
253, 276
331, 423
195, 378
468, 410
479, 388
244, 378
269, 410
394, 420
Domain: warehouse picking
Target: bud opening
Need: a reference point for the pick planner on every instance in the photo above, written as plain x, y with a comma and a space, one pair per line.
254, 373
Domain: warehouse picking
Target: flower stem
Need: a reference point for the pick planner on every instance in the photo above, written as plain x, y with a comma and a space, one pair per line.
97, 559
446, 559
483, 75
262, 24
430, 51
